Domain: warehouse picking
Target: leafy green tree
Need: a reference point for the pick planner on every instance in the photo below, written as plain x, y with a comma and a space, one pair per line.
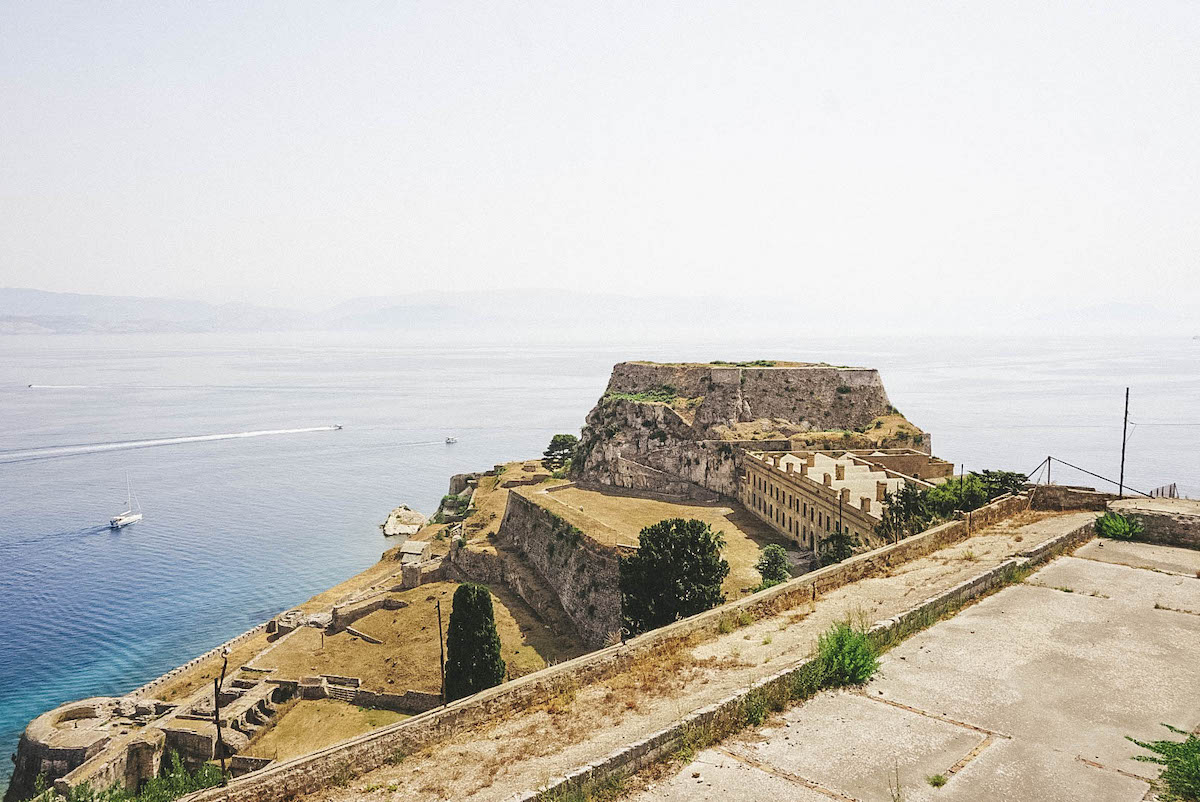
473, 660
963, 493
677, 572
773, 565
997, 483
558, 453
905, 512
836, 547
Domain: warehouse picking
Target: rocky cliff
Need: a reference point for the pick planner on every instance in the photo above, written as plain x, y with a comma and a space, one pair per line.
679, 429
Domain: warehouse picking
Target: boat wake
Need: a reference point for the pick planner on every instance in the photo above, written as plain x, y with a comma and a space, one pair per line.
49, 452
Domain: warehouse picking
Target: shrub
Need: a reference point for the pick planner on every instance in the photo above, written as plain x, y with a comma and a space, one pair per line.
1118, 526
676, 572
1180, 779
473, 661
846, 656
937, 780
773, 566
174, 781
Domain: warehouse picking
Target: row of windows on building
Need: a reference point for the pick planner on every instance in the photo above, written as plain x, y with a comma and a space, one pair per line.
817, 519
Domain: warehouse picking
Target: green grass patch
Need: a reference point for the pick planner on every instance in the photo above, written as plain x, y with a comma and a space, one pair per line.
1180, 779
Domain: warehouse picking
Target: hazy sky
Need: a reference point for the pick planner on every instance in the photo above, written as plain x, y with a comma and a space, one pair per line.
819, 153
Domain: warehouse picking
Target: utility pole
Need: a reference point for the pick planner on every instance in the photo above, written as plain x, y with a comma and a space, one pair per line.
1124, 432
442, 646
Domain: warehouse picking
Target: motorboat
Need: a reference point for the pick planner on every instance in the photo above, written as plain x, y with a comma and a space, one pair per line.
451, 441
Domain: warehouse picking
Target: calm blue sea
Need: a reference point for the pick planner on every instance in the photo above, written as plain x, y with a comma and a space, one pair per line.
238, 529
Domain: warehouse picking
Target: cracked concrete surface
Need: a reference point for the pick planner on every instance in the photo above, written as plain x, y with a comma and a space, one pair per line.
1027, 695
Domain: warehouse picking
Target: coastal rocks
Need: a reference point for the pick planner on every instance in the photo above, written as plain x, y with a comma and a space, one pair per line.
403, 521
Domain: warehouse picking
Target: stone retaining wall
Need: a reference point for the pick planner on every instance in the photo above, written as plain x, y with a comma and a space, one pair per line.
664, 743
1065, 497
367, 752
582, 573
149, 687
1168, 522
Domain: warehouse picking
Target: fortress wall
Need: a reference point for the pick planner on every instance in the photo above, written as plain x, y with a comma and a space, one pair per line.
148, 689
1168, 522
812, 394
725, 716
364, 753
581, 572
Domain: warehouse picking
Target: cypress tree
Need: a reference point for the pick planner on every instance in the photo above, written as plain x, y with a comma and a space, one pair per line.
473, 660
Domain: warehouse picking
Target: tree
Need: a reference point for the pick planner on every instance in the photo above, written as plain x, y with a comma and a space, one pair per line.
905, 512
677, 572
997, 483
773, 565
558, 453
473, 661
837, 547
963, 493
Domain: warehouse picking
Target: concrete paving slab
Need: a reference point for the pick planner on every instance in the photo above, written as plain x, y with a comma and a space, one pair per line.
853, 743
1059, 679
1011, 770
1143, 555
1136, 587
717, 777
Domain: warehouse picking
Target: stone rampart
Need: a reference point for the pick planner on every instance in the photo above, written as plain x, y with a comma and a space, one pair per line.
582, 573
367, 752
646, 751
1067, 497
1169, 522
149, 688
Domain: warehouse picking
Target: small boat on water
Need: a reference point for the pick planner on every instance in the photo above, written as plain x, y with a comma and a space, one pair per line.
451, 441
133, 510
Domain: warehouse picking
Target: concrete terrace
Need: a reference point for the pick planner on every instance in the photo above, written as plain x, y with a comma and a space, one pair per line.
1027, 695
524, 750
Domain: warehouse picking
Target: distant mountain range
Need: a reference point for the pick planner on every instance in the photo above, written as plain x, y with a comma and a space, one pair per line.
502, 315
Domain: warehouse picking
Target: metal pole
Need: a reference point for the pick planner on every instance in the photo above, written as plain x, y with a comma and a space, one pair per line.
1124, 432
442, 646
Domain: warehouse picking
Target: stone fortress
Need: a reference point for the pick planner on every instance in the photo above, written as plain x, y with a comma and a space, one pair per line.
784, 453
674, 434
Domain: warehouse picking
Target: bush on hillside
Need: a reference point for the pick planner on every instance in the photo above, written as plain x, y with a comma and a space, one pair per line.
473, 660
676, 572
1117, 526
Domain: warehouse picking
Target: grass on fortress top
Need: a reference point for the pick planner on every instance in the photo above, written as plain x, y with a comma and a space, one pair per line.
407, 659
306, 725
745, 535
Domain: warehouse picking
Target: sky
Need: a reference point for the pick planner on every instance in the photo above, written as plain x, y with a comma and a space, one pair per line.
920, 156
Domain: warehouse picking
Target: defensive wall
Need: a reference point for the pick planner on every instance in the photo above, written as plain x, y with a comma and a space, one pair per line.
1166, 521
798, 680
581, 571
364, 753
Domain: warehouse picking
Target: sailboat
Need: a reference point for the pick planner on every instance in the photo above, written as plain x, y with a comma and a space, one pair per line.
133, 510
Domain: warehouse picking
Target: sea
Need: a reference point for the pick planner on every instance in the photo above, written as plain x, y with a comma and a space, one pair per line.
253, 502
